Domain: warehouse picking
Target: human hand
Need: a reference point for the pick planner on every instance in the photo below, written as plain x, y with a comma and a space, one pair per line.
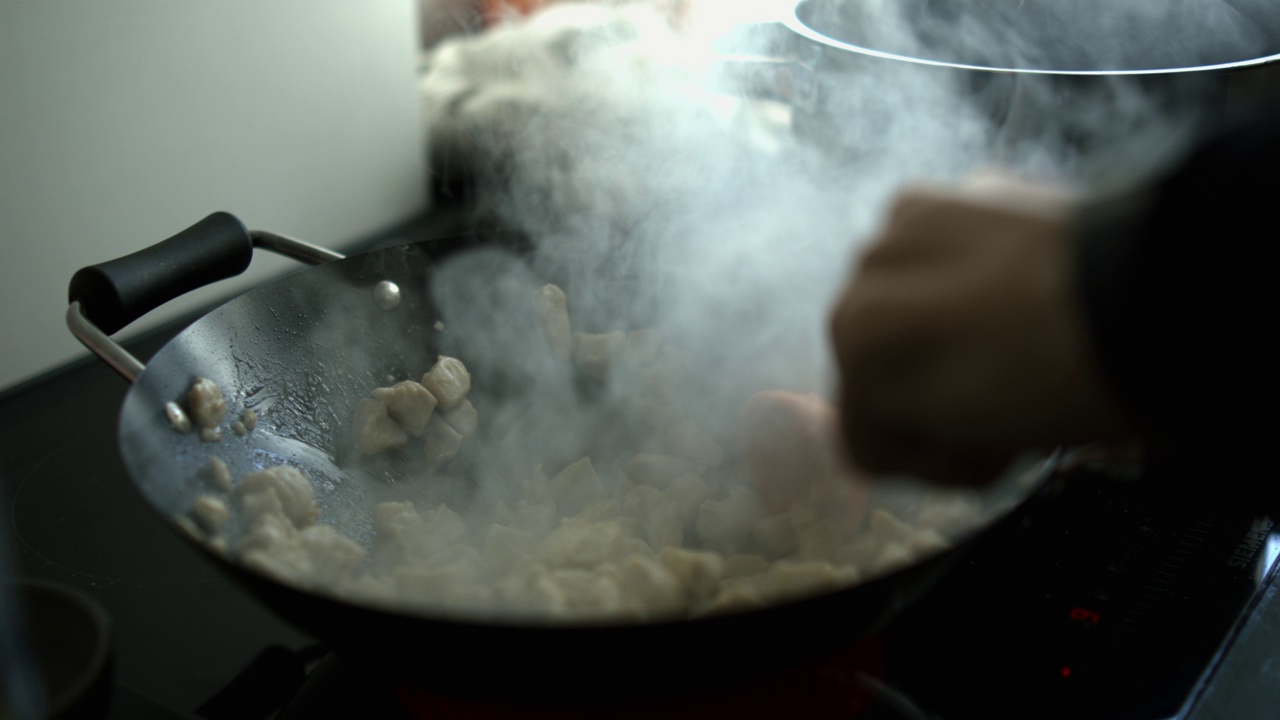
959, 339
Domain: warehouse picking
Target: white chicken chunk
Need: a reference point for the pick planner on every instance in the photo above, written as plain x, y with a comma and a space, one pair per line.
643, 346
650, 588
283, 486
318, 558
725, 525
687, 493
595, 353
684, 439
206, 404
657, 470
441, 443
535, 518
573, 487
448, 380
583, 545
373, 430
213, 434
698, 571
404, 536
210, 513
409, 404
463, 418
506, 549
590, 593
552, 309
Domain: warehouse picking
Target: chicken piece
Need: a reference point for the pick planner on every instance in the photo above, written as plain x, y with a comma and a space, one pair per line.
206, 404
402, 536
687, 493
725, 525
409, 404
317, 558
219, 474
239, 428
776, 535
573, 487
552, 309
744, 565
506, 549
441, 443
463, 418
331, 556
535, 518
290, 489
534, 488
600, 509
643, 346
210, 435
788, 580
738, 594
372, 429
448, 380
792, 455
650, 588
249, 419
533, 593
657, 470
641, 502
685, 440
583, 545
595, 353
210, 513
588, 593
453, 586
268, 531
950, 512
698, 571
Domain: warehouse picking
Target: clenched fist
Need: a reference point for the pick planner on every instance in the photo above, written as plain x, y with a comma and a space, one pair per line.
959, 339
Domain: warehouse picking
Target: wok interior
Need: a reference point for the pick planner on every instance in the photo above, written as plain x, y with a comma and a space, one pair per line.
1084, 35
302, 351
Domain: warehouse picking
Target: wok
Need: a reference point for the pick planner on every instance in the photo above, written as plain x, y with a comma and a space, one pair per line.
302, 347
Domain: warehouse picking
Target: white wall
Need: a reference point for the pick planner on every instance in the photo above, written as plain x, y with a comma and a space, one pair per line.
123, 122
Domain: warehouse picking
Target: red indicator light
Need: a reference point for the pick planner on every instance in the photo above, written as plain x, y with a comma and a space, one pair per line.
1079, 613
1065, 670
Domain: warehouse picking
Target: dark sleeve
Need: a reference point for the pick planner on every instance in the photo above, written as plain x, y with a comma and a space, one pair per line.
1178, 284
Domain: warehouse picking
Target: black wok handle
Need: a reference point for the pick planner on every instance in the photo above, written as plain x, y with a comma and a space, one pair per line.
117, 292
110, 295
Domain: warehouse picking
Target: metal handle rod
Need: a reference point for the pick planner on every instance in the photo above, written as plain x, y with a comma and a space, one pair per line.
130, 367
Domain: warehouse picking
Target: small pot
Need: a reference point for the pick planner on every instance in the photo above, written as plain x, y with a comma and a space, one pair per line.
855, 73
